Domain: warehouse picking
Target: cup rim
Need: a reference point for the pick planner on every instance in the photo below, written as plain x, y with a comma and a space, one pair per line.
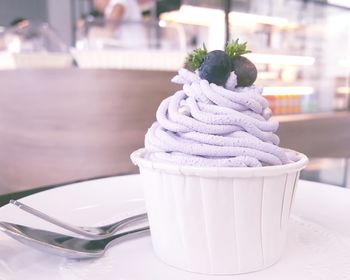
138, 158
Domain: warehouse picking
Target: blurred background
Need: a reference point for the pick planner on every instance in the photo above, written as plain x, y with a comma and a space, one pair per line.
58, 59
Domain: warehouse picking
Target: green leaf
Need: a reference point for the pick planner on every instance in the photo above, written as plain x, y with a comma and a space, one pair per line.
196, 57
235, 48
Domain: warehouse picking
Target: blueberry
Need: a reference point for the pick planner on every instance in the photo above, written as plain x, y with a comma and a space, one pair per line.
216, 67
245, 71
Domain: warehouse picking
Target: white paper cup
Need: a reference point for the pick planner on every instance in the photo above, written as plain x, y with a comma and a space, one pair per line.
218, 220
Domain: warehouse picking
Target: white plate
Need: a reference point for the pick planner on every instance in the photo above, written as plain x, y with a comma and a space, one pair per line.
314, 251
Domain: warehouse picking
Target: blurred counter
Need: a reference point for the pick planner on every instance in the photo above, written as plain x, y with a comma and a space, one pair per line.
318, 134
60, 125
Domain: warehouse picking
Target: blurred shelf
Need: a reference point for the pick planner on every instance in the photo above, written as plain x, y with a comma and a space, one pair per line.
130, 59
35, 60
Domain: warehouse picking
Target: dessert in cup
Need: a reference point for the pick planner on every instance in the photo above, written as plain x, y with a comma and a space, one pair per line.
218, 187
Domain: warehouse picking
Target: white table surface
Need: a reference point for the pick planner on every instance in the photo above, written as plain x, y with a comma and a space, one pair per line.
85, 203
324, 204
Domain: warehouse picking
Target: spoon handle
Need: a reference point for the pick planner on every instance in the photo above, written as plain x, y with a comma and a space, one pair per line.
93, 233
110, 241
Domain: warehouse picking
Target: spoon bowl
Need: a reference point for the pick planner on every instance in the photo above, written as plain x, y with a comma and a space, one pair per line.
65, 245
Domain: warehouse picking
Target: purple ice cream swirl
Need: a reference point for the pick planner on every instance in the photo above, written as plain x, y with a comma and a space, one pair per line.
208, 125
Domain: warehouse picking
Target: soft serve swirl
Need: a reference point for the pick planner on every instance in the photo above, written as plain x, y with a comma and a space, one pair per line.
208, 125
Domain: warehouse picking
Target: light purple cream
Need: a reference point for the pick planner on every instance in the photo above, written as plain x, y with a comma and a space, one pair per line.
208, 125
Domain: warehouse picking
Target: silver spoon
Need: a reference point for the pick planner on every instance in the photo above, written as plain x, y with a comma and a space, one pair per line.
93, 233
65, 245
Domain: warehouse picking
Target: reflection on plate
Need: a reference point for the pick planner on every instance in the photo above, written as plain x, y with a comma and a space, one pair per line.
312, 251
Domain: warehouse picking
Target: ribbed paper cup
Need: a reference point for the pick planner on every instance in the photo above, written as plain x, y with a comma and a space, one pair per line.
218, 220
